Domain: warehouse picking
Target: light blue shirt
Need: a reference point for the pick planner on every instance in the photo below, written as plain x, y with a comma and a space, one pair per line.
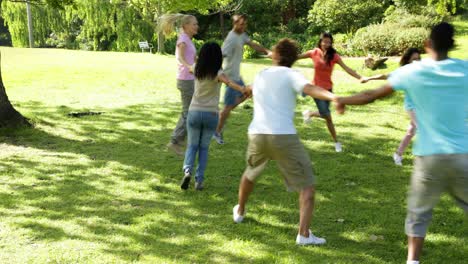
439, 93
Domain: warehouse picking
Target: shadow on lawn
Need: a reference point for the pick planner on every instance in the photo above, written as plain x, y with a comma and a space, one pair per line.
156, 219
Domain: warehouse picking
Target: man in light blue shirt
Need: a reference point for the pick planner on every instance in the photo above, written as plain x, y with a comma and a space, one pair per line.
438, 89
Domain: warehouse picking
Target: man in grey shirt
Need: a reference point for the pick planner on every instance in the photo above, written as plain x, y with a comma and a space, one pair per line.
233, 51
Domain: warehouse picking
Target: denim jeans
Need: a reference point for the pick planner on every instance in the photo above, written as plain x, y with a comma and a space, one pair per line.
200, 127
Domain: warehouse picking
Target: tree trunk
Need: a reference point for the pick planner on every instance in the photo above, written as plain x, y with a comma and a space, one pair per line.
161, 38
9, 117
221, 24
30, 25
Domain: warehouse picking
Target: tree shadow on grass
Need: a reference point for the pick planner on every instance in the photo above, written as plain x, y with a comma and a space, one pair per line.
112, 181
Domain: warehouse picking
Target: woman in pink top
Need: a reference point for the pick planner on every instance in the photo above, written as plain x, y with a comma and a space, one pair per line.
325, 58
185, 55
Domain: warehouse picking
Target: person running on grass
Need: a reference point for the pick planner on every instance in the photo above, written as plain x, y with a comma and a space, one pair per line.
324, 57
438, 89
233, 50
185, 55
272, 135
202, 115
410, 55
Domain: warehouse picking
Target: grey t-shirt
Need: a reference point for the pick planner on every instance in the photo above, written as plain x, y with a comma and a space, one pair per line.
233, 51
206, 95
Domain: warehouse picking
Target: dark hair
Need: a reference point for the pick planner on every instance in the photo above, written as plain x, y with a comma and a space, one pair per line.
287, 50
210, 60
330, 53
442, 37
237, 17
405, 59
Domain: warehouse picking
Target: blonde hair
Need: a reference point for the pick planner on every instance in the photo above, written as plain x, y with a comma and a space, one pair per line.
168, 22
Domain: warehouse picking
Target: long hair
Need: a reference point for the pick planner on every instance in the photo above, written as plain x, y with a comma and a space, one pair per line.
210, 60
169, 22
330, 53
405, 59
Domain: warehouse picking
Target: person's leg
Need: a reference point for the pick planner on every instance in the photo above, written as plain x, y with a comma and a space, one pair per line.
257, 159
296, 169
194, 131
306, 208
409, 135
427, 184
210, 119
331, 127
245, 189
415, 245
223, 116
324, 112
186, 88
459, 181
232, 98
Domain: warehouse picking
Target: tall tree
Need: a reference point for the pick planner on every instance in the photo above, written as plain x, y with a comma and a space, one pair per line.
154, 9
9, 117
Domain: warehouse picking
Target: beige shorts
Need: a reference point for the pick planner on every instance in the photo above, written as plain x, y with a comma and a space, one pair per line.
432, 176
292, 159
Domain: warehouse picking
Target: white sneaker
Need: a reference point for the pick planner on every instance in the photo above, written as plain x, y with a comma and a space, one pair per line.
338, 147
397, 159
311, 240
219, 138
306, 116
236, 216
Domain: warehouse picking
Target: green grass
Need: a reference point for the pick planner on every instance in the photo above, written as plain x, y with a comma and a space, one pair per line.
103, 189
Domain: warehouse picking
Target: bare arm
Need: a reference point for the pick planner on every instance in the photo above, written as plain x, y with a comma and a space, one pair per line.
259, 48
349, 70
304, 55
375, 77
364, 97
318, 92
182, 46
224, 79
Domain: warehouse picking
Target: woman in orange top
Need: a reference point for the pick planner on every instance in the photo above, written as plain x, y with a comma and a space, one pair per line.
325, 58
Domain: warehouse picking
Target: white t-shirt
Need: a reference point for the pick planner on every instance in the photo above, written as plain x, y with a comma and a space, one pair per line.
275, 92
233, 51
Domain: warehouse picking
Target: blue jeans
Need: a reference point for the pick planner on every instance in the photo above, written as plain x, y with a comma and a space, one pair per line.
200, 127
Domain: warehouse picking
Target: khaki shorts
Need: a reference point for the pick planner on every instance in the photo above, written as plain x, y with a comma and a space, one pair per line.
292, 159
432, 176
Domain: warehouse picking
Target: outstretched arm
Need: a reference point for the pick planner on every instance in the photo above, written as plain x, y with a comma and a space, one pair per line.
319, 92
259, 48
243, 89
363, 97
304, 55
349, 70
375, 77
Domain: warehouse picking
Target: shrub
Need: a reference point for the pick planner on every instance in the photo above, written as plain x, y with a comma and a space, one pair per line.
426, 19
345, 16
388, 39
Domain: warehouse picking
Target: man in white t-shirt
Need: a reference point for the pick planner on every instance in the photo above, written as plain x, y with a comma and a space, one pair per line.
272, 135
233, 52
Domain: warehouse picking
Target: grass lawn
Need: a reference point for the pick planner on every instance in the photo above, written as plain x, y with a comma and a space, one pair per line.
103, 189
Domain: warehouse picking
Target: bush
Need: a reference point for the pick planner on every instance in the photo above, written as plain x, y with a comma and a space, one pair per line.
388, 39
426, 19
345, 16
